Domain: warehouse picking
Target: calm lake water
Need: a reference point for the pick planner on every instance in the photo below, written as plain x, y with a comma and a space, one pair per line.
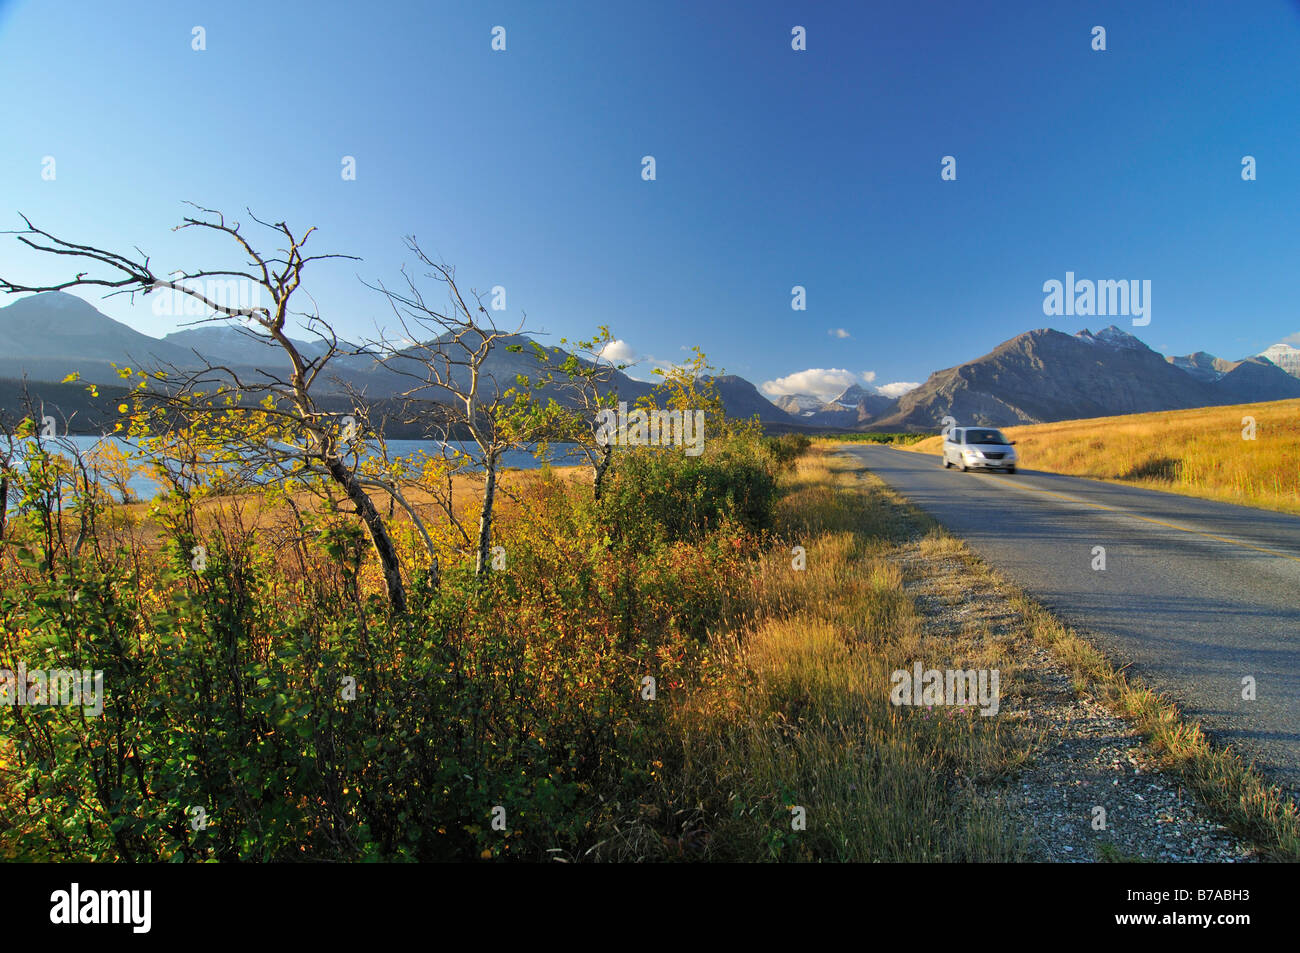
560, 454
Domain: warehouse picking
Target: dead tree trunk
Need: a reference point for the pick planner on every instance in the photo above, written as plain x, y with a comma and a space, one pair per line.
602, 464
485, 519
378, 531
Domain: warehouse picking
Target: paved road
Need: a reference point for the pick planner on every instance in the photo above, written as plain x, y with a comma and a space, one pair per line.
1196, 595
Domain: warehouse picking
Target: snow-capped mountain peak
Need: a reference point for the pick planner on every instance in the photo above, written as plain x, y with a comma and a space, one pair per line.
1111, 337
1284, 356
798, 404
852, 396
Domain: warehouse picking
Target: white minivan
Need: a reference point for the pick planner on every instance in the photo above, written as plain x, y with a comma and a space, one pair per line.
978, 448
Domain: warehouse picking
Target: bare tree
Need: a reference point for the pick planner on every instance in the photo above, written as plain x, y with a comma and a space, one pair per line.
452, 393
310, 439
584, 379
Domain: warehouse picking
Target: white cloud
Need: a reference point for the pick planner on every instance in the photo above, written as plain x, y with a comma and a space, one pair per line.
620, 352
823, 382
868, 376
1292, 339
839, 333
896, 388
639, 365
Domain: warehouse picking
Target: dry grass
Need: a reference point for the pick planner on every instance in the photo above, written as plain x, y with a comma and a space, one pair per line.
1198, 452
794, 709
252, 509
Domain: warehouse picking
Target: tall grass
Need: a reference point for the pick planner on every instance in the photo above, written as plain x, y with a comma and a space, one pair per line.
792, 709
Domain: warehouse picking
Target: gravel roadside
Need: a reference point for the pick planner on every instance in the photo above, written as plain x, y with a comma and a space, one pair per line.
1082, 757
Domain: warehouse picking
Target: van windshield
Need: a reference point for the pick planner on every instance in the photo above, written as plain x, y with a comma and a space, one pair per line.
974, 435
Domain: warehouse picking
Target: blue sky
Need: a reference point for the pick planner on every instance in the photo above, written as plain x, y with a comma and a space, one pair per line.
775, 168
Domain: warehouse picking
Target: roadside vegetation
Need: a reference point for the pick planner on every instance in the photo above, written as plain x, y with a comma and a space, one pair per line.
272, 705
1206, 452
899, 439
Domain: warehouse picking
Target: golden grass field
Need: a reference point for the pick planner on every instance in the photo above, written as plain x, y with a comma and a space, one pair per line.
253, 510
1200, 452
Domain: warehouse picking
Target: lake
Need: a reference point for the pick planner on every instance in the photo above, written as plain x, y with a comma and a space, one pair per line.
559, 454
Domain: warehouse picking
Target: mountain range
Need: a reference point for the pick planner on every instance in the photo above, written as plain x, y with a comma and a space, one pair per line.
1046, 375
1038, 376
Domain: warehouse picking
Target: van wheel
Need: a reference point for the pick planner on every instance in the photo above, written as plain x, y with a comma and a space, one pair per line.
946, 464
963, 466
1011, 469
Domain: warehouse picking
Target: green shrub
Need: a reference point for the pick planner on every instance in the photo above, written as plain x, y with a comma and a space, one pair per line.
787, 448
657, 496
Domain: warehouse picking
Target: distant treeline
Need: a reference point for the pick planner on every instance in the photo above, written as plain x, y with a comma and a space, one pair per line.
71, 405
875, 437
